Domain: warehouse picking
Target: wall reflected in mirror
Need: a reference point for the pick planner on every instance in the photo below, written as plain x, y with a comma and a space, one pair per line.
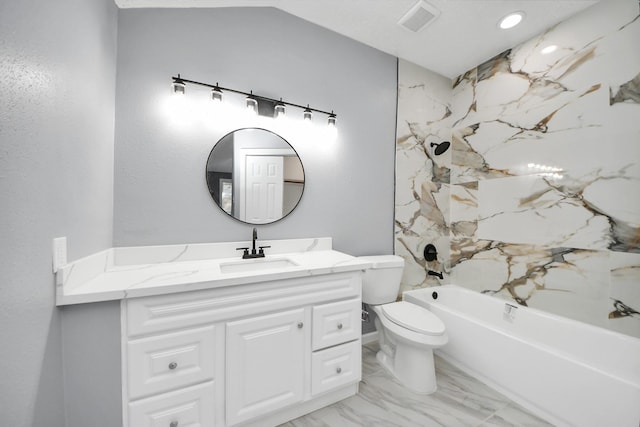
255, 176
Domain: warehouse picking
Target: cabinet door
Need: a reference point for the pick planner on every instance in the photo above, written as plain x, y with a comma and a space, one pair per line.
264, 364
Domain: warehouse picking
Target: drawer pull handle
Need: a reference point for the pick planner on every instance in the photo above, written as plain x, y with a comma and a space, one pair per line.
173, 424
339, 325
338, 370
300, 325
172, 366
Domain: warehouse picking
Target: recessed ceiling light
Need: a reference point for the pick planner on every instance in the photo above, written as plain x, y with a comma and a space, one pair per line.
549, 49
511, 20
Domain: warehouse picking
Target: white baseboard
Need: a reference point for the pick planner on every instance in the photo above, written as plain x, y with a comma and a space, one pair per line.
370, 337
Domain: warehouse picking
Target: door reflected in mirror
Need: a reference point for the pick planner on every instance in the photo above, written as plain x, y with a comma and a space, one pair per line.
255, 176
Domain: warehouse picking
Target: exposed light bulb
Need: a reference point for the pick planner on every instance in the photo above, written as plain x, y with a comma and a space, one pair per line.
307, 114
279, 110
178, 86
332, 120
252, 104
216, 94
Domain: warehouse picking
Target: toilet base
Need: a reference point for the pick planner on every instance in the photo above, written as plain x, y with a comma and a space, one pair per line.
413, 367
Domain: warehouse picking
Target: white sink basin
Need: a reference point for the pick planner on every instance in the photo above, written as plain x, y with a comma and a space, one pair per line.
258, 264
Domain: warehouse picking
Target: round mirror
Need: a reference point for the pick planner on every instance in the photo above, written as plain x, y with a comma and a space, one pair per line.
255, 176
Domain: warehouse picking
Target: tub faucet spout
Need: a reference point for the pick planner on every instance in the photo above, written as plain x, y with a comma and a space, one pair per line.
435, 273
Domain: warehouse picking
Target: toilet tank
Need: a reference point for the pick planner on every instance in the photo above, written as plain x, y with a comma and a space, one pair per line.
381, 282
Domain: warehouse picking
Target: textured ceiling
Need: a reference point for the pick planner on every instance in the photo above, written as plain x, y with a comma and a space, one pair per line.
464, 35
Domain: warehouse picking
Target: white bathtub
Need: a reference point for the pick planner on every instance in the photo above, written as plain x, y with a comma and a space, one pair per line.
567, 372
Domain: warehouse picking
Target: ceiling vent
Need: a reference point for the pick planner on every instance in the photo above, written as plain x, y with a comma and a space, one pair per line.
419, 16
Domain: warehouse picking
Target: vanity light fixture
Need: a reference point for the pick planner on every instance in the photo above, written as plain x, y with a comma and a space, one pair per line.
216, 93
254, 103
511, 20
307, 114
279, 110
332, 120
178, 86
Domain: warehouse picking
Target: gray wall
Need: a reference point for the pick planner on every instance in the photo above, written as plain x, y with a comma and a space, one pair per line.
92, 362
160, 190
57, 61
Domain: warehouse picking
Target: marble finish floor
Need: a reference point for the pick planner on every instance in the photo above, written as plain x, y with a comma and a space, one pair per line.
460, 401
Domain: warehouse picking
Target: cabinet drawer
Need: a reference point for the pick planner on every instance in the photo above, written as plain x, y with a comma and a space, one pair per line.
336, 323
162, 313
164, 362
191, 407
335, 367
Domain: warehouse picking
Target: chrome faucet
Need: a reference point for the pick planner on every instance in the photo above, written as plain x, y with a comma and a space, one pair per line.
254, 254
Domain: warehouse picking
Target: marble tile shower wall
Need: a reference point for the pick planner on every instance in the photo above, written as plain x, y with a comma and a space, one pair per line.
422, 178
540, 199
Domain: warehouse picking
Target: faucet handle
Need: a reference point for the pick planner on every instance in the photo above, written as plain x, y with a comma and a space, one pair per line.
262, 248
246, 251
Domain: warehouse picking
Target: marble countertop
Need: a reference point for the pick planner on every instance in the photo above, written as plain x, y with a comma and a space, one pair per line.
120, 273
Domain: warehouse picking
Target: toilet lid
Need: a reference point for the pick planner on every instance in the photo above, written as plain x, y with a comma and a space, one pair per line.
413, 317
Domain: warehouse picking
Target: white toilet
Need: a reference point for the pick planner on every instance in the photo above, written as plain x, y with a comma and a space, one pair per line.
407, 333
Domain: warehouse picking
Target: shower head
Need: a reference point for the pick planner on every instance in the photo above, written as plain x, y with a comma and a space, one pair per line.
440, 148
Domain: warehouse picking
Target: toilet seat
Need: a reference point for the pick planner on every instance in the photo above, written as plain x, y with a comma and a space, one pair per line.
413, 317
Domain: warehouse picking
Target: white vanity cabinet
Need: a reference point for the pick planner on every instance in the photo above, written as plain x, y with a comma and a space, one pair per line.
255, 354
